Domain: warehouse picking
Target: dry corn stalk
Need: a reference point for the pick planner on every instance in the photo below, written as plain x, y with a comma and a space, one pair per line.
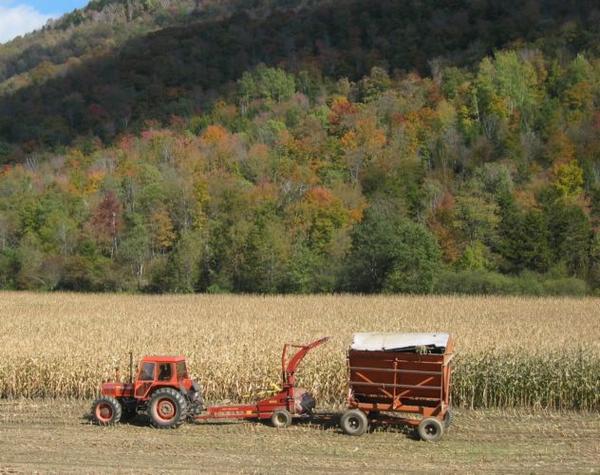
511, 351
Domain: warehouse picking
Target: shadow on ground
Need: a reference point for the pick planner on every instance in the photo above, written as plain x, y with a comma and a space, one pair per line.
320, 421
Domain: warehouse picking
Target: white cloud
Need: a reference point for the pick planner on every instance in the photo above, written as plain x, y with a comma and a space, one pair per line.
19, 19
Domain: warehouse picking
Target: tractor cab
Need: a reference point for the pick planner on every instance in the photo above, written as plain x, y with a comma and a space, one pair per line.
161, 371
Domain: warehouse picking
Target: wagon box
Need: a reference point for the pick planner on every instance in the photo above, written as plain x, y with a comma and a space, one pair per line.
400, 373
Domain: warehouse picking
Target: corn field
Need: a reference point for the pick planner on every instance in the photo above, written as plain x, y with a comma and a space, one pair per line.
511, 352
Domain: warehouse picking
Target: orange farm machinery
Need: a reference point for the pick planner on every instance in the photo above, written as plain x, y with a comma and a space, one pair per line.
393, 378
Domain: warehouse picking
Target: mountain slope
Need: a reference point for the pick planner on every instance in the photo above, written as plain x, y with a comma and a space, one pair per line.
177, 70
105, 24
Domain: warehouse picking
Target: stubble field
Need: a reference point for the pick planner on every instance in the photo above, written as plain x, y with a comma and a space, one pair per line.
43, 436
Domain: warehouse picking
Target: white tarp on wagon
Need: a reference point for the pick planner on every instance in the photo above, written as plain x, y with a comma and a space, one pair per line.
397, 341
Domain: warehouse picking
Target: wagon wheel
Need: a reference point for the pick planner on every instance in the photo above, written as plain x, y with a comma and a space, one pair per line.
430, 429
354, 422
167, 408
448, 418
281, 419
106, 411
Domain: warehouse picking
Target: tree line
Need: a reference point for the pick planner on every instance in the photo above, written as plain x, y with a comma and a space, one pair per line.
481, 179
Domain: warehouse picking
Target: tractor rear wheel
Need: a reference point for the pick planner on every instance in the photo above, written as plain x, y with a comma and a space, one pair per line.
106, 411
354, 422
281, 419
167, 408
430, 429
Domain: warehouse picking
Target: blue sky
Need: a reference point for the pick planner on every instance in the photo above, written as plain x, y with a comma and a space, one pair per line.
54, 6
18, 17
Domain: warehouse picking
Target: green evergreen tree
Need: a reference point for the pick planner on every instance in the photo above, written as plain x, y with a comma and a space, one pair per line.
523, 238
570, 236
392, 254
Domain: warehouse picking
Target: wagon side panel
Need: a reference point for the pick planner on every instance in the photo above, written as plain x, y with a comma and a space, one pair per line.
396, 378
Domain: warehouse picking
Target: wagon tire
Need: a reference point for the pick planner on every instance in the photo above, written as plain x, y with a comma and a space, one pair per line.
448, 418
106, 411
430, 429
354, 422
167, 408
281, 419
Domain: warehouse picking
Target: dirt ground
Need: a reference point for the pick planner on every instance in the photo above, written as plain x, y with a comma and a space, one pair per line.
56, 437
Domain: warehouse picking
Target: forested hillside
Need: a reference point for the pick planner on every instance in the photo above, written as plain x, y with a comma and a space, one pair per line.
288, 146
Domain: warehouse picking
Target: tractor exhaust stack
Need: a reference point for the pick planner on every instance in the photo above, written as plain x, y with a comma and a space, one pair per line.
130, 367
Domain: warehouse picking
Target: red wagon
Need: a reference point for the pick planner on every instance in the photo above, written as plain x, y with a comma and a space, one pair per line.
393, 376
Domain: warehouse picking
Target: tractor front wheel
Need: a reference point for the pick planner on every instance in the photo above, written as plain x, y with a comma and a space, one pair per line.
106, 411
167, 408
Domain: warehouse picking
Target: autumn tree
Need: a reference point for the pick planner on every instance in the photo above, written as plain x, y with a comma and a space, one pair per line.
107, 221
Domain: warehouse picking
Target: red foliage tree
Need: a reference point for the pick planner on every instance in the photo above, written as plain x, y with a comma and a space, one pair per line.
107, 221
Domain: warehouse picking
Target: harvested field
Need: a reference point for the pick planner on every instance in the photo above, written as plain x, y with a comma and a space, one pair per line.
54, 437
512, 352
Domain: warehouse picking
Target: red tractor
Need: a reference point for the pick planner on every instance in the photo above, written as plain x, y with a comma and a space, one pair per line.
162, 388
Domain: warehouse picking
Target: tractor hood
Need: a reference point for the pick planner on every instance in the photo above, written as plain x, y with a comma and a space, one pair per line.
117, 390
